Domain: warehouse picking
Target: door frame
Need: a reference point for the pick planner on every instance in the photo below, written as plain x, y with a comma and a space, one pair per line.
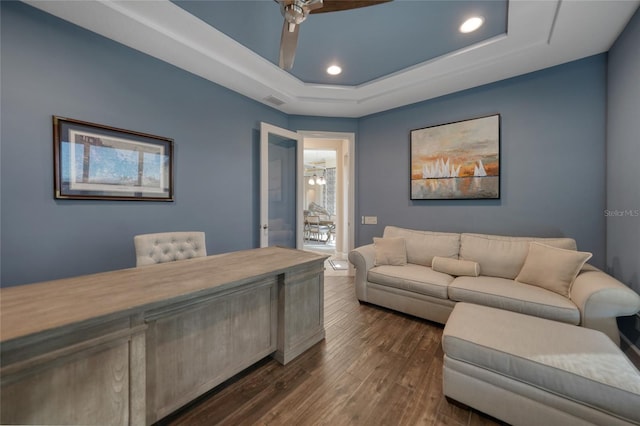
265, 130
348, 157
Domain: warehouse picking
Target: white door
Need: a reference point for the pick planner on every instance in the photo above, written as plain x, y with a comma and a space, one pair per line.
281, 168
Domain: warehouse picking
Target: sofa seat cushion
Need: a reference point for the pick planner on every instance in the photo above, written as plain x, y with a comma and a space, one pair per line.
514, 296
415, 278
577, 363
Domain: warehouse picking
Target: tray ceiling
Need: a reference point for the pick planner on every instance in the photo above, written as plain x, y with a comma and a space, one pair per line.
393, 54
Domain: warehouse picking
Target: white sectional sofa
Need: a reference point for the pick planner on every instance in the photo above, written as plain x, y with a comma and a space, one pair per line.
426, 273
530, 371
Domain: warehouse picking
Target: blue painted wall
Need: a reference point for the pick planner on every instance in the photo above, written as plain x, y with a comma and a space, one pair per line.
552, 159
50, 67
623, 154
324, 124
553, 149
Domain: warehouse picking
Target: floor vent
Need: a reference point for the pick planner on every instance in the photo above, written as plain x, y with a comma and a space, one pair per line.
273, 100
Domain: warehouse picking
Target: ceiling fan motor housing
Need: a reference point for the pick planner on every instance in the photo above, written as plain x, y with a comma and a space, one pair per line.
296, 11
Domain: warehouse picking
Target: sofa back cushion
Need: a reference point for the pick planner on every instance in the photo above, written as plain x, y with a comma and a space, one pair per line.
503, 257
422, 246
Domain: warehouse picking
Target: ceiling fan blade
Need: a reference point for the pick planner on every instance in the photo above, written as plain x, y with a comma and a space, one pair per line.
338, 5
288, 44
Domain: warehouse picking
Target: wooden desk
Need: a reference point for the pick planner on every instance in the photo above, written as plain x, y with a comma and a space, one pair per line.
131, 346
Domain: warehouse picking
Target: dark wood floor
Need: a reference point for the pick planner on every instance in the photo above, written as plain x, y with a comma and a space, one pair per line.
375, 367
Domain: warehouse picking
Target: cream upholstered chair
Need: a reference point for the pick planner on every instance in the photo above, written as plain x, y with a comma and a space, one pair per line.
168, 246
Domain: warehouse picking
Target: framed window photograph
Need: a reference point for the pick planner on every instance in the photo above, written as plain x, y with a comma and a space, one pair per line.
96, 162
456, 161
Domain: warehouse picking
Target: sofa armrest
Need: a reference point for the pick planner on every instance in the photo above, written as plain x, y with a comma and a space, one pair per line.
601, 298
363, 258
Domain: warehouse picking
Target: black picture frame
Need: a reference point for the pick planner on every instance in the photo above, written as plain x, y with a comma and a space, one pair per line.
456, 161
97, 162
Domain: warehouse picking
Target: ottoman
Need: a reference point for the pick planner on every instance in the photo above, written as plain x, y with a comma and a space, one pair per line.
527, 370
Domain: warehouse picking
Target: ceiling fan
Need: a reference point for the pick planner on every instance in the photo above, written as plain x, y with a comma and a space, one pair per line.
296, 11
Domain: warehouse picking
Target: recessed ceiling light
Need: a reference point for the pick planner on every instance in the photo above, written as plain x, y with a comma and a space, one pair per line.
471, 24
334, 70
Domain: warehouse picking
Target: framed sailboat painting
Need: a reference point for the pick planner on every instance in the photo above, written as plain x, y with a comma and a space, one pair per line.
456, 161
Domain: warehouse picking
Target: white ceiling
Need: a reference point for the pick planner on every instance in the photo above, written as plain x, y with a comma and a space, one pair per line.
319, 158
540, 34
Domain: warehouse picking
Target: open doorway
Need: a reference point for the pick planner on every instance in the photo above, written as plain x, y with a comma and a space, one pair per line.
319, 200
328, 194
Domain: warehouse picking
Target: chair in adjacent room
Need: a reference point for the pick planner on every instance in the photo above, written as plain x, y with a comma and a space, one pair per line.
168, 246
316, 229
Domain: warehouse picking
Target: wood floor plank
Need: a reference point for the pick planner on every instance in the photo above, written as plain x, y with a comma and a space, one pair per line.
419, 365
390, 407
375, 367
422, 407
370, 394
315, 404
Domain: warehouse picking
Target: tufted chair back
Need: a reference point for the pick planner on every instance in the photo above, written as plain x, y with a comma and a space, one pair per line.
168, 246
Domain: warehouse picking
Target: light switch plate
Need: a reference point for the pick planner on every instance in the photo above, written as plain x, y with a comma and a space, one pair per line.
370, 220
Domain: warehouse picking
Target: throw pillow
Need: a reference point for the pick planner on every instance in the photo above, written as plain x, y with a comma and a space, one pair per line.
552, 268
390, 251
456, 267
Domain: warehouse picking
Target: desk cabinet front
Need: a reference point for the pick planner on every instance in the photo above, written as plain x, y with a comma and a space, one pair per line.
301, 311
84, 376
194, 346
